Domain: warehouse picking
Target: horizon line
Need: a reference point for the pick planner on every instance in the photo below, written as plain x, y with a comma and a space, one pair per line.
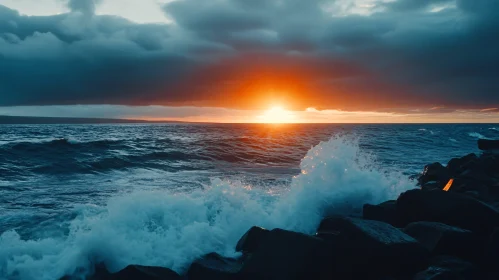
143, 121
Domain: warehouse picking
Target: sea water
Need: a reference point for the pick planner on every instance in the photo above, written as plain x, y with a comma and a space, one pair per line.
72, 196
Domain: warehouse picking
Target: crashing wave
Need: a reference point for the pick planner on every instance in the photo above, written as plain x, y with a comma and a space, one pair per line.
171, 229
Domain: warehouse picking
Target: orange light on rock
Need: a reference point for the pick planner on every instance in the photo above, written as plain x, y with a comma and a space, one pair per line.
449, 184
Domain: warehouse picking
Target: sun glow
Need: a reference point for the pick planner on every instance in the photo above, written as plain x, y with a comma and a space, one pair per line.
277, 114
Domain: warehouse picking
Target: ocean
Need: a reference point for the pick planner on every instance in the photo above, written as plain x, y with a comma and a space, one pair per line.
72, 196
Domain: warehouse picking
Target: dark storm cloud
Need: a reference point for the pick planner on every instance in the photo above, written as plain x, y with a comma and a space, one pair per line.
401, 54
82, 58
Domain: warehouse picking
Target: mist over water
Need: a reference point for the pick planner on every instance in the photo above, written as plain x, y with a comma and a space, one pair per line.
75, 195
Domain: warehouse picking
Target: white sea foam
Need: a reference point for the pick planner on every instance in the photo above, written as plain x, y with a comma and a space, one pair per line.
172, 229
477, 135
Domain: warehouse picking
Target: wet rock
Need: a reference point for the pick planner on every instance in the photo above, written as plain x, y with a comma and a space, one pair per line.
214, 266
491, 162
449, 268
456, 165
492, 253
372, 249
493, 195
474, 194
449, 208
477, 176
432, 186
384, 212
289, 255
486, 145
251, 240
470, 187
442, 239
137, 272
435, 172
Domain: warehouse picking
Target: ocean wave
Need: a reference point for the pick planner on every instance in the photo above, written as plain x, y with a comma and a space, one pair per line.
172, 229
60, 143
477, 135
172, 156
424, 130
110, 163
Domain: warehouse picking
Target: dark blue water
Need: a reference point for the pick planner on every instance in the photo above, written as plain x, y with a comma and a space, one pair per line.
164, 194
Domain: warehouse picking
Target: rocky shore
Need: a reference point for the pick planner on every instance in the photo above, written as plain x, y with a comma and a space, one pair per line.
447, 229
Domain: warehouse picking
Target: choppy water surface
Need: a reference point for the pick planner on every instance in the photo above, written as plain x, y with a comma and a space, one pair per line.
164, 194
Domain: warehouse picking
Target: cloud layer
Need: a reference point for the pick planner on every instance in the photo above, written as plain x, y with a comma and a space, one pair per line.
348, 54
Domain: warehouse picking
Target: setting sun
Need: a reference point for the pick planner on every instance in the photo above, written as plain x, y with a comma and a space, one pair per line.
277, 114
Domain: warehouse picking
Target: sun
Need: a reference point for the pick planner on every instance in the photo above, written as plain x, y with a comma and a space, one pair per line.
277, 114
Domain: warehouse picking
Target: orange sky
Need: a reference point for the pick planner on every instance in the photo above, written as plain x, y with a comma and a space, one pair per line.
278, 114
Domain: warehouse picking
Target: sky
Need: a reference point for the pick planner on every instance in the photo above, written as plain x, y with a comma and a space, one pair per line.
234, 60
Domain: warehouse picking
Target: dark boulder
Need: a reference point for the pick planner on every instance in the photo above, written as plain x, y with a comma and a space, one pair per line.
487, 145
478, 175
137, 272
251, 240
473, 194
289, 255
432, 186
373, 249
464, 184
470, 187
384, 212
435, 172
214, 266
449, 208
449, 268
491, 164
492, 253
456, 165
442, 239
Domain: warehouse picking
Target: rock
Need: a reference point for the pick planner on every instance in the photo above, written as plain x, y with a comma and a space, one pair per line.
493, 192
491, 164
372, 249
137, 272
290, 255
449, 268
486, 145
435, 172
384, 212
442, 239
251, 240
473, 194
471, 187
214, 266
492, 253
432, 186
478, 176
455, 165
449, 208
